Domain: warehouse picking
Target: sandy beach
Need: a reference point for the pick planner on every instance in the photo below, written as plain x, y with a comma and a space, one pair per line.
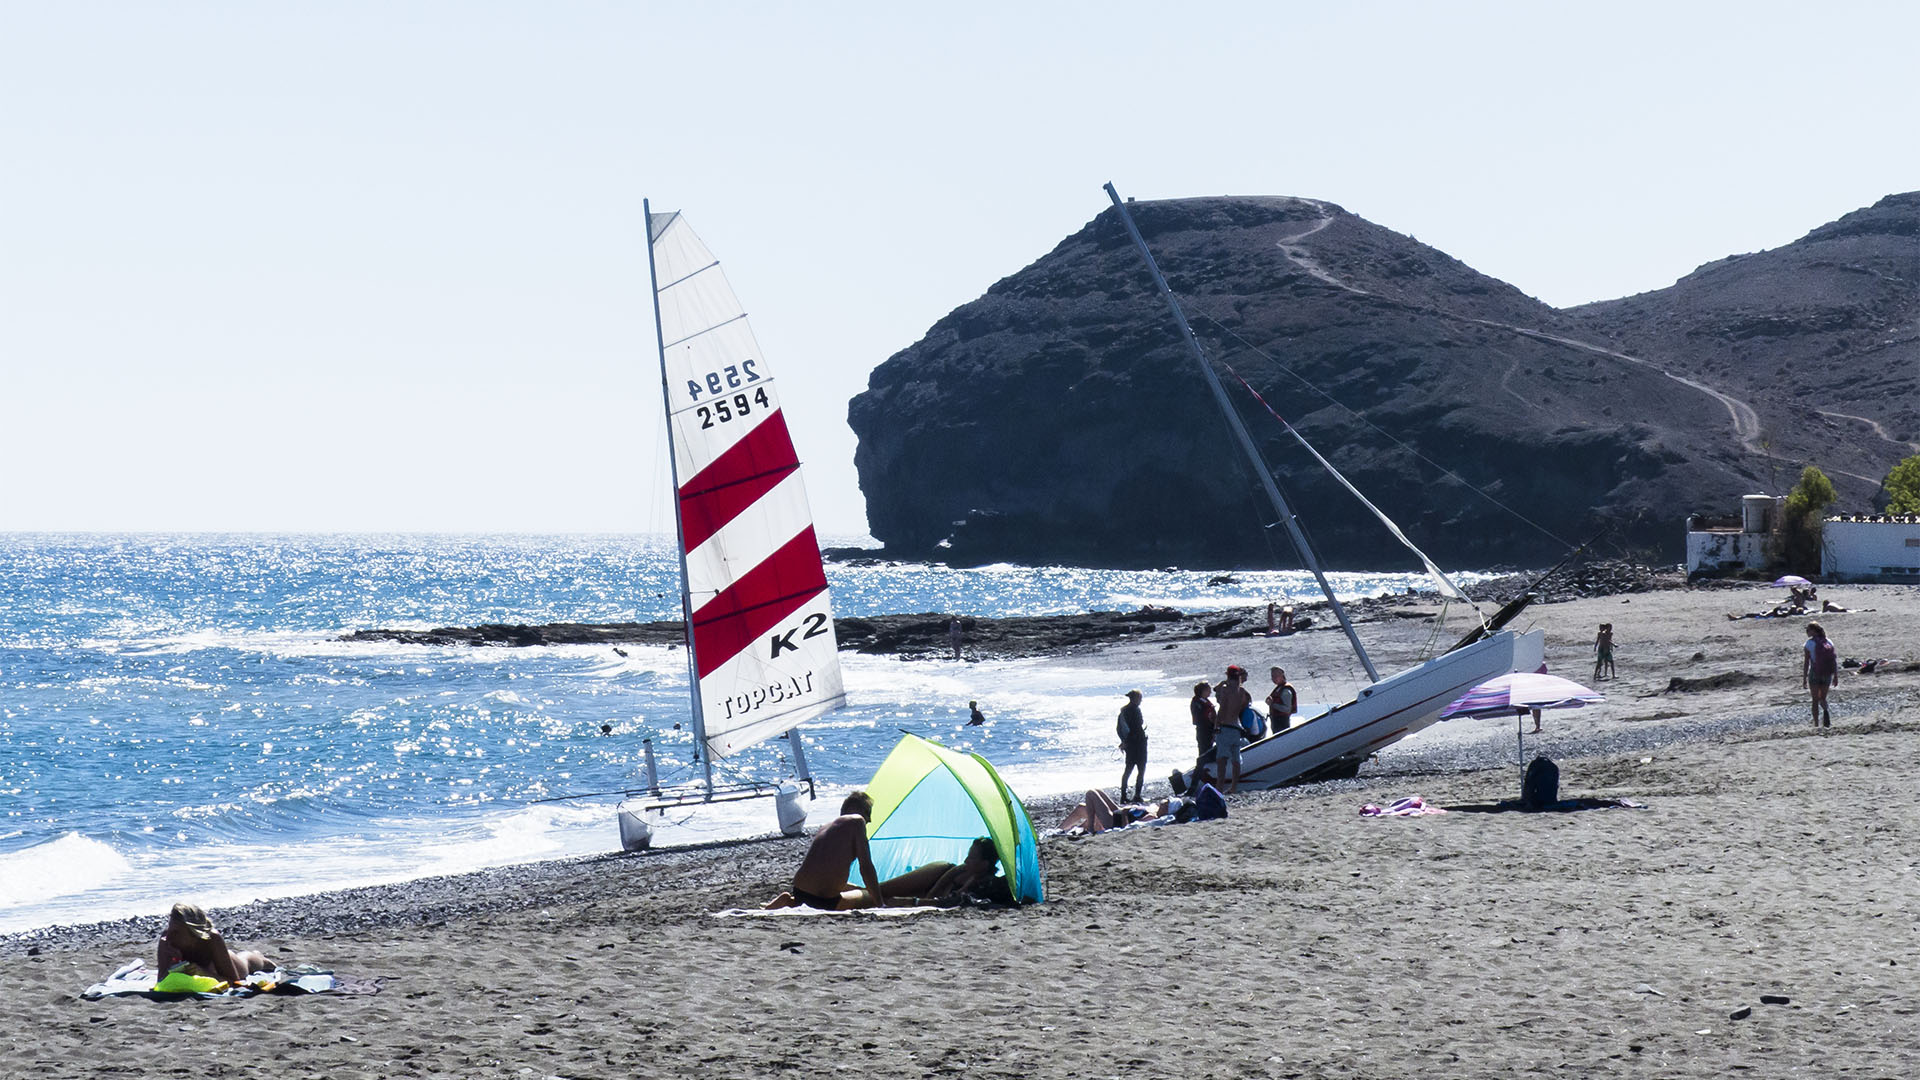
1295, 939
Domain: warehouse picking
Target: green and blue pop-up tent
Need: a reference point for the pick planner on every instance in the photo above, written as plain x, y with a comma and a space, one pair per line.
930, 803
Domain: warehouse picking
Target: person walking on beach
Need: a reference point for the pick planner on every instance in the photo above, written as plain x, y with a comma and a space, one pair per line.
1202, 709
1603, 651
976, 717
1282, 701
1228, 736
1132, 729
953, 636
1819, 670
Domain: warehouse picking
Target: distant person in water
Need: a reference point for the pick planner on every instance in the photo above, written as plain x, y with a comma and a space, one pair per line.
190, 939
1131, 727
1282, 701
1202, 709
975, 717
1603, 651
1819, 670
953, 637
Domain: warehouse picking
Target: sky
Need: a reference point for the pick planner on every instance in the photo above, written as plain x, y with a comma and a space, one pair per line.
372, 267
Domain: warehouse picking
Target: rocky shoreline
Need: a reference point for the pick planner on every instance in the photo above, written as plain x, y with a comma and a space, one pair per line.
924, 635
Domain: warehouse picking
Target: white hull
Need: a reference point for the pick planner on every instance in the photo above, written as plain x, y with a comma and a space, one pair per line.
1336, 742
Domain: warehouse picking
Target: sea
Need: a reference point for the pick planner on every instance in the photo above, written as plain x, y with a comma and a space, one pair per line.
180, 719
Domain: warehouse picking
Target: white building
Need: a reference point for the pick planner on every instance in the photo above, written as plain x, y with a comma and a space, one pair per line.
1868, 547
1734, 542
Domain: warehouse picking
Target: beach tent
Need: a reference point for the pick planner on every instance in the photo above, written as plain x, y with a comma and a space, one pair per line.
930, 803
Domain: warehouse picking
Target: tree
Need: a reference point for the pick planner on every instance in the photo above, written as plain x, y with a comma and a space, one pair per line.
1903, 487
1800, 527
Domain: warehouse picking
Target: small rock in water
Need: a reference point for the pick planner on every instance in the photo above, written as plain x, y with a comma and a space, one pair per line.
1741, 1013
1774, 999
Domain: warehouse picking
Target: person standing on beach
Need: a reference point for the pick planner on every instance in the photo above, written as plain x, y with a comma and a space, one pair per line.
1228, 736
1202, 709
1132, 729
1819, 670
1282, 701
1603, 651
953, 636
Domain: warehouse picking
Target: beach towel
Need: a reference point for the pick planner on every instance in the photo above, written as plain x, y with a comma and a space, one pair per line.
135, 979
1414, 806
802, 910
1563, 806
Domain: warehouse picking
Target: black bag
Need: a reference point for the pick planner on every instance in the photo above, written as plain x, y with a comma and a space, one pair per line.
1541, 787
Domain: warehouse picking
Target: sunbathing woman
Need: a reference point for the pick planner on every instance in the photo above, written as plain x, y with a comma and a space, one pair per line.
1099, 813
191, 939
943, 884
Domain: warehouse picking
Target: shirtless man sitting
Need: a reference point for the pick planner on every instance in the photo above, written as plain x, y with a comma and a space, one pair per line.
821, 882
190, 939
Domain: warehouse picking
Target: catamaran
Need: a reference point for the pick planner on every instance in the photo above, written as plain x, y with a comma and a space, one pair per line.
761, 654
1337, 742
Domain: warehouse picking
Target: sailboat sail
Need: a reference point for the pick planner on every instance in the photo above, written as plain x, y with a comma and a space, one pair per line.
764, 656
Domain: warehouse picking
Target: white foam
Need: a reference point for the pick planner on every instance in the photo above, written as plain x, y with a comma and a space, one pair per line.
63, 867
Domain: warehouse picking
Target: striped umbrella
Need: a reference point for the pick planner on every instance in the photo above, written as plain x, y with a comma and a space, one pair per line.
1522, 691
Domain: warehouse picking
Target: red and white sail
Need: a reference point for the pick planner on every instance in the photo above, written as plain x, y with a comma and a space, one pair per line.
763, 652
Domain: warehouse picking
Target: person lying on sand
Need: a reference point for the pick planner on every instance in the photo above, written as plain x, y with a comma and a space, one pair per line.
1098, 813
821, 881
190, 939
1780, 611
942, 884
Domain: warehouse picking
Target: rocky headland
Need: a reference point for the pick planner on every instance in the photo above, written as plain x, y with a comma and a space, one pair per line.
1058, 419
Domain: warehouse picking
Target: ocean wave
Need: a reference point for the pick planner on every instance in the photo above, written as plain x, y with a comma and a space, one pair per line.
65, 866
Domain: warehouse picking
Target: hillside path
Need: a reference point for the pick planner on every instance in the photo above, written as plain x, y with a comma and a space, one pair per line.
1878, 428
1746, 422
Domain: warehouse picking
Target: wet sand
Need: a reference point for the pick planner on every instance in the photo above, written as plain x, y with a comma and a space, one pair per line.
1296, 938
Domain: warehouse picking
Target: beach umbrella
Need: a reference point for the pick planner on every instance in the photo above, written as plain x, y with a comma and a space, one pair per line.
1521, 693
1791, 579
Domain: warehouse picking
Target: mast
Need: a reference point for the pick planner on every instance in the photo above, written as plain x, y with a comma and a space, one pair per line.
1260, 468
679, 527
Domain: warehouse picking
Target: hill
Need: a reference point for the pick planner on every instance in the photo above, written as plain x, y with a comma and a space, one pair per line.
1058, 418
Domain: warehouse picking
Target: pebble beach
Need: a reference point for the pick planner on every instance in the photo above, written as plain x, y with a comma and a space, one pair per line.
1294, 939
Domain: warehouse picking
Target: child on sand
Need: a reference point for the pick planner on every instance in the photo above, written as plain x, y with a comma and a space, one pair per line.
1819, 670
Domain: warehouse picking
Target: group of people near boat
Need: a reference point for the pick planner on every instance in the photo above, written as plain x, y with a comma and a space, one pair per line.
1225, 720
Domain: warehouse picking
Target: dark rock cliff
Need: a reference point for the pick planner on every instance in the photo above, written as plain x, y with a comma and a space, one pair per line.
1059, 419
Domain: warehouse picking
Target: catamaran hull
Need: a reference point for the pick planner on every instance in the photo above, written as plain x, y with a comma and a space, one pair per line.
1338, 741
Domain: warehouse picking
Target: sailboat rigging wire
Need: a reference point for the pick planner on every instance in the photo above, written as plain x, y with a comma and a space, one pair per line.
1357, 415
1448, 587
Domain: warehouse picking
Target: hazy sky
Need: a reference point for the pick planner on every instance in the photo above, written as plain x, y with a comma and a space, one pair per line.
380, 266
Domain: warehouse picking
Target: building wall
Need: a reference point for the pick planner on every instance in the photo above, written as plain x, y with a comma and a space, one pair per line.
1868, 550
1718, 549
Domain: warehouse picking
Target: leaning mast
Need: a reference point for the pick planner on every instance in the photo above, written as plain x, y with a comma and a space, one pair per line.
1245, 440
